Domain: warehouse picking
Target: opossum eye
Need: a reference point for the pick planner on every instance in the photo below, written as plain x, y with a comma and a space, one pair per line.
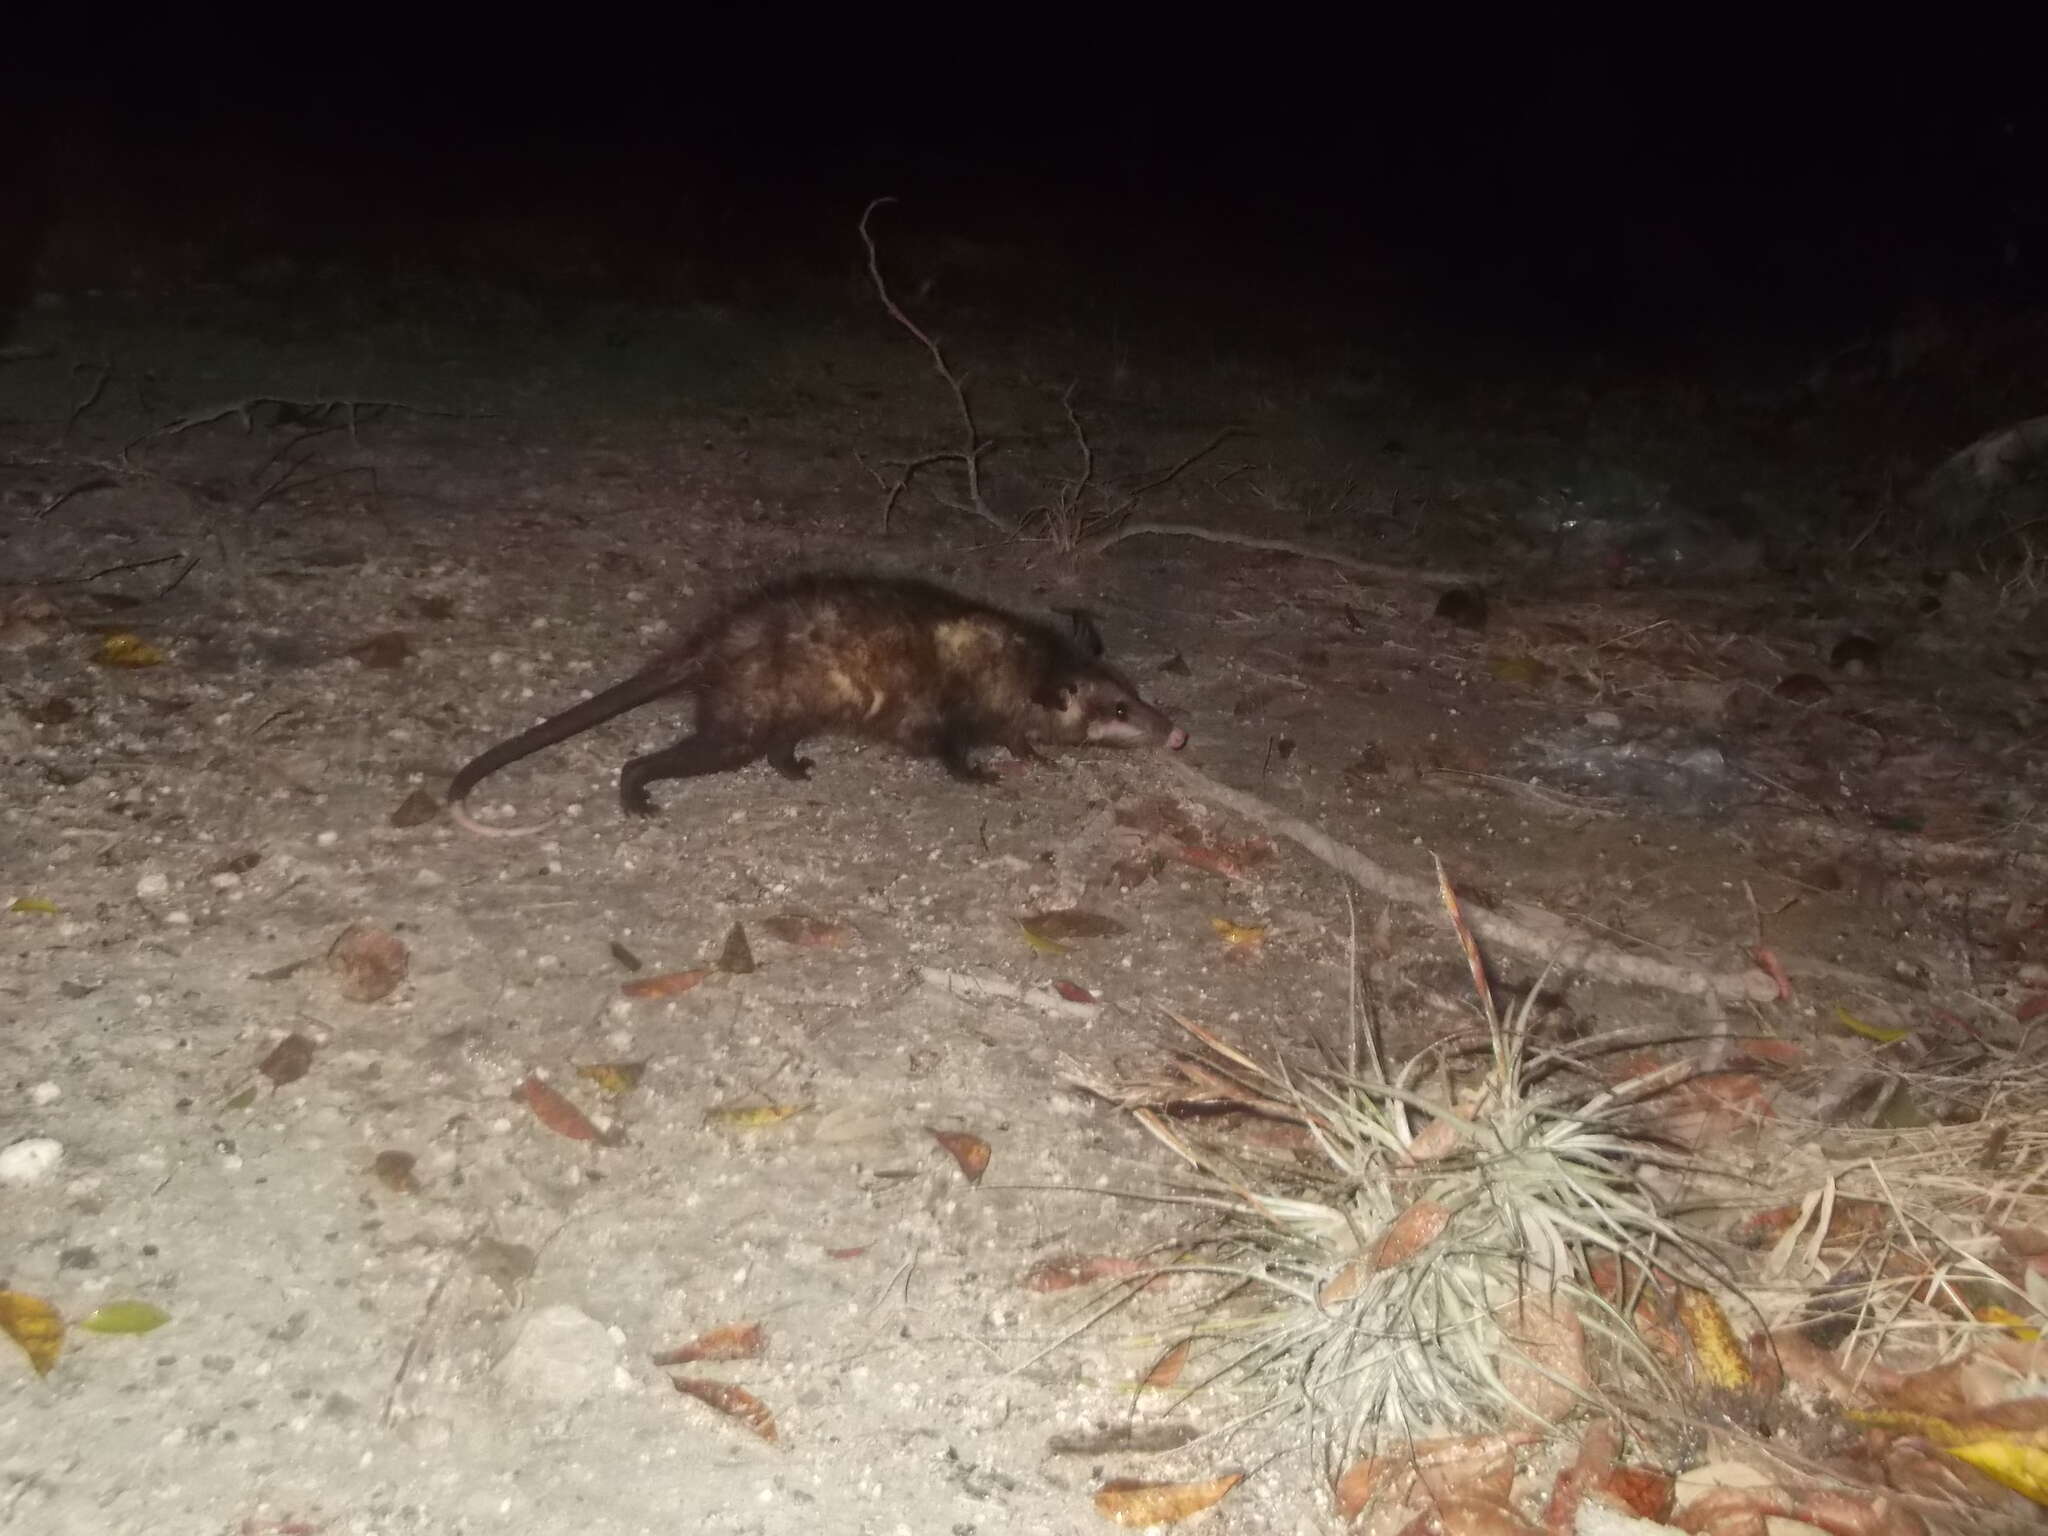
1123, 711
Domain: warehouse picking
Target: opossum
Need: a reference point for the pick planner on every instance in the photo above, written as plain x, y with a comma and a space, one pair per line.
886, 659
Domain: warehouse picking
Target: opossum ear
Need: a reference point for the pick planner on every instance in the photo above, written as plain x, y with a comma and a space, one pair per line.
1052, 697
1081, 631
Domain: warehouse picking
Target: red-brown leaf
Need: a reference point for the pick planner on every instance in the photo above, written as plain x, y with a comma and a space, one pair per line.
667, 984
736, 1403
557, 1113
970, 1152
733, 1341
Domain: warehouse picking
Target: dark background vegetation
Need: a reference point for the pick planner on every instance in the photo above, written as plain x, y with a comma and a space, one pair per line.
1475, 203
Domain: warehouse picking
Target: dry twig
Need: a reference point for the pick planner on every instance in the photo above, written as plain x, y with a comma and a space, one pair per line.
1279, 546
1536, 934
968, 456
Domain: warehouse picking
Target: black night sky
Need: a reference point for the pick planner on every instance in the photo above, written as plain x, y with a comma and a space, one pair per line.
1670, 191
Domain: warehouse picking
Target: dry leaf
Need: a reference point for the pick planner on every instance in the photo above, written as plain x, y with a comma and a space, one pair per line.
625, 956
667, 984
1242, 935
33, 1324
394, 1170
1159, 816
385, 652
126, 1317
1069, 1271
1768, 962
368, 962
1881, 1033
736, 1403
2007, 1459
1233, 861
35, 906
1140, 1504
122, 649
613, 1077
55, 710
736, 959
1840, 1514
289, 1060
1714, 1344
1772, 1052
1644, 1492
1405, 1236
1543, 1366
734, 1341
1167, 1368
1447, 1467
558, 1114
1073, 992
807, 932
1597, 1447
1070, 923
415, 810
751, 1117
970, 1152
1039, 943
1125, 1439
2011, 1322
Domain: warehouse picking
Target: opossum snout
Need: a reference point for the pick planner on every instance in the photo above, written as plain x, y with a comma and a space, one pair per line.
1176, 739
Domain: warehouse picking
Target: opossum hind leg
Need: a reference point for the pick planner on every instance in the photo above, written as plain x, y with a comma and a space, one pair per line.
689, 758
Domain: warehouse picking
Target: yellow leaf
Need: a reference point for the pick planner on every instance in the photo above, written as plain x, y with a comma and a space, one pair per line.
1246, 934
1526, 670
2011, 1322
752, 1117
1882, 1034
1141, 1504
613, 1077
2021, 1467
123, 649
1039, 942
125, 1317
33, 1324
1714, 1343
41, 906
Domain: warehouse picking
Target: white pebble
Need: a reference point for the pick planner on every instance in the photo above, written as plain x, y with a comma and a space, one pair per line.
327, 839
45, 1094
31, 1160
152, 885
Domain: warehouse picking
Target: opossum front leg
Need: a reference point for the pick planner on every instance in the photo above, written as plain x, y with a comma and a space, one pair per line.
951, 750
783, 759
1022, 750
689, 758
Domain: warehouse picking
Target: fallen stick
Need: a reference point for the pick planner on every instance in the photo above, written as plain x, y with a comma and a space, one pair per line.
1539, 935
1278, 546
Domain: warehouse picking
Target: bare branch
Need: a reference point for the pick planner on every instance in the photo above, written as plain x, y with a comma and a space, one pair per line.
1279, 546
969, 455
1537, 934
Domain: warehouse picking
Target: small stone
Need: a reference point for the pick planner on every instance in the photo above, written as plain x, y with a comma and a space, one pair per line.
153, 885
30, 1160
563, 1356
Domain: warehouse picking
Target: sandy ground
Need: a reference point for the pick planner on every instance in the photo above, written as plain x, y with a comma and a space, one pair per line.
469, 1348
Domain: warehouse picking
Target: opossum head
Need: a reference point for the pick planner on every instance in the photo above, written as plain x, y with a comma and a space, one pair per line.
1092, 704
